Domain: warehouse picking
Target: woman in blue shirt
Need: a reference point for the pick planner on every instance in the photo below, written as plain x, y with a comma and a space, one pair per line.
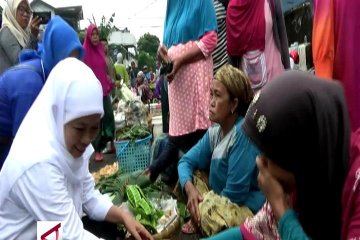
225, 149
20, 85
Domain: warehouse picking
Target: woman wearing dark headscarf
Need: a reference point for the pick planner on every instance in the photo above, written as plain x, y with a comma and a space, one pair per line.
95, 58
301, 125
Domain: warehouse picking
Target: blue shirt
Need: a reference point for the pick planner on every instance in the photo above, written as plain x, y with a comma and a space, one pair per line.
232, 164
16, 98
19, 86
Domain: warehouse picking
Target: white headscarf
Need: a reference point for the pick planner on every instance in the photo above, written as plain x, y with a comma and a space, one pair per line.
9, 20
119, 58
71, 91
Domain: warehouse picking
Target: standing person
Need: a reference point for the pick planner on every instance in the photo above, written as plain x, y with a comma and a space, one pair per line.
95, 58
336, 35
133, 74
256, 39
61, 128
121, 69
111, 73
20, 85
109, 62
16, 33
313, 165
219, 55
188, 46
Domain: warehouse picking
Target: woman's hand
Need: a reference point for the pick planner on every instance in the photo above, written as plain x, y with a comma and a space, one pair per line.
35, 26
194, 198
272, 189
177, 63
137, 230
162, 54
118, 215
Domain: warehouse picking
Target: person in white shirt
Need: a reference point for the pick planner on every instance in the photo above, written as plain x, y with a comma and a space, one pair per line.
45, 176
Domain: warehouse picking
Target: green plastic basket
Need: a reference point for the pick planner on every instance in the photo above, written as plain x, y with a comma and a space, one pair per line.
133, 155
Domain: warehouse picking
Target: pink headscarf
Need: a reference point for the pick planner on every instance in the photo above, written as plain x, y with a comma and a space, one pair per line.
95, 58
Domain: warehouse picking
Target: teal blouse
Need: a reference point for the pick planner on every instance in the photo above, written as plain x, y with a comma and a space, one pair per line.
288, 226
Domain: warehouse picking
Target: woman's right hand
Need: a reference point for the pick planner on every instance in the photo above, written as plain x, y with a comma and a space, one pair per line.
162, 54
194, 198
35, 26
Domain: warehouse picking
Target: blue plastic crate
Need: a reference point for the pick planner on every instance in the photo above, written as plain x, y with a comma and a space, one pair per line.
133, 155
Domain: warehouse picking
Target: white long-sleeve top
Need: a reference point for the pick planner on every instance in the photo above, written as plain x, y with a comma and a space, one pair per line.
43, 193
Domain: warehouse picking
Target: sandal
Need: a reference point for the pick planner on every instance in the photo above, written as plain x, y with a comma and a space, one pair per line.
188, 228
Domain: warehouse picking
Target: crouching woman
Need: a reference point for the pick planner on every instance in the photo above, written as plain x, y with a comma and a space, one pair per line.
227, 154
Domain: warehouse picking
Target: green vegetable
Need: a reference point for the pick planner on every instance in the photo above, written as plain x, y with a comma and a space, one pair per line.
116, 183
144, 211
184, 214
132, 132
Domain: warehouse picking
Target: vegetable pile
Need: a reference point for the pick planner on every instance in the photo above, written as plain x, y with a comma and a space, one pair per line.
116, 184
132, 132
143, 209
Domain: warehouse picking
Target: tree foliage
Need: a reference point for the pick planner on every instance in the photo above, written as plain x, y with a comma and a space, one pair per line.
148, 43
144, 58
81, 35
106, 26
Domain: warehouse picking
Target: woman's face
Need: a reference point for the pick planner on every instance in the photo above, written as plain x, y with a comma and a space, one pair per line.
285, 178
95, 40
80, 132
221, 105
23, 14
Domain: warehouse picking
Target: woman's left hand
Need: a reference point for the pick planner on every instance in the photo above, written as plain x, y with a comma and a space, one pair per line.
177, 63
35, 26
137, 230
272, 189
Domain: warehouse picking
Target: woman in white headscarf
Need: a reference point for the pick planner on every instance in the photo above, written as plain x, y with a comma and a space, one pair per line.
17, 32
45, 176
121, 69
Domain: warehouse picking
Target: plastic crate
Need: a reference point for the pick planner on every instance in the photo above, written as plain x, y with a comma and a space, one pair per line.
133, 155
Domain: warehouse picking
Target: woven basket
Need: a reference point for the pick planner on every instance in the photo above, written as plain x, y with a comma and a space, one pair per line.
133, 155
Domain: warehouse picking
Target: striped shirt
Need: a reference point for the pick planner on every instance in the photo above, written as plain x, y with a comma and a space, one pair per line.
220, 57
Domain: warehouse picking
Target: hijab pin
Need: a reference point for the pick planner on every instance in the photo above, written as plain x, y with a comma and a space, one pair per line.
261, 123
256, 97
254, 114
254, 100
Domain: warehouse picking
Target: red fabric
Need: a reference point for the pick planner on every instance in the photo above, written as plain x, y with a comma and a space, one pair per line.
95, 59
351, 193
210, 41
245, 26
347, 51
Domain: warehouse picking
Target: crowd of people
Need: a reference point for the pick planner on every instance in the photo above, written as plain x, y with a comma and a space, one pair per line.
280, 148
